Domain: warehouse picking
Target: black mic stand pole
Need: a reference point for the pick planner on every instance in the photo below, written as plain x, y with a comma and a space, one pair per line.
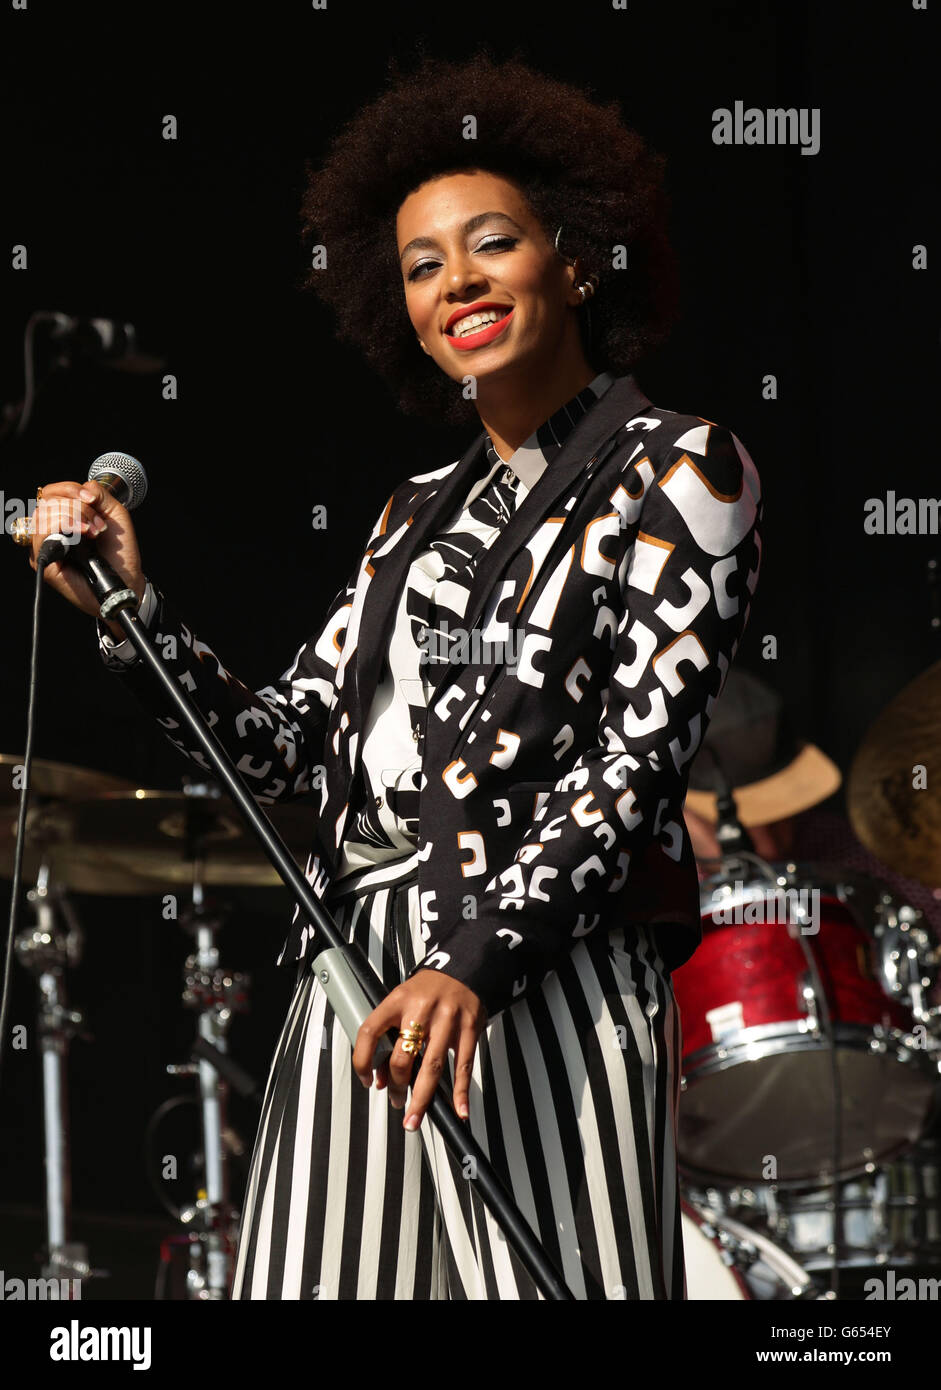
343, 965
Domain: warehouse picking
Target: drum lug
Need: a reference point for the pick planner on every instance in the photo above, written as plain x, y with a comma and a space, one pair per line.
807, 1000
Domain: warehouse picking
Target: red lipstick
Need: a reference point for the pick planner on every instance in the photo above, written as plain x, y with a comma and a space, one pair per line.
486, 334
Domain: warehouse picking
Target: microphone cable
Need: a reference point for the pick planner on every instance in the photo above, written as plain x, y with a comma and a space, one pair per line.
41, 563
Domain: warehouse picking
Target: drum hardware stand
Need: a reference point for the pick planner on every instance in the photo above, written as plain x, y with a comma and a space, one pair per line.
217, 994
910, 959
46, 952
238, 1078
345, 972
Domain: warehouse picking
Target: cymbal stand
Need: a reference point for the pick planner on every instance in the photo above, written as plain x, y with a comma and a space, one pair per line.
45, 950
218, 994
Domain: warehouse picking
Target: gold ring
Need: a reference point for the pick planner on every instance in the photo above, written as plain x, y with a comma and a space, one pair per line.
39, 494
412, 1038
19, 531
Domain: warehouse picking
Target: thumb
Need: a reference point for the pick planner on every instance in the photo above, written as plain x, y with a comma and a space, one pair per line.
100, 497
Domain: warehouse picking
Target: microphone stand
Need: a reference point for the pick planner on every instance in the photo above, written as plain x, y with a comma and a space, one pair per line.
348, 979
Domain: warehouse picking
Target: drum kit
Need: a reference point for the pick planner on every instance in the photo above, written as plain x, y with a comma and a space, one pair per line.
809, 1136
87, 832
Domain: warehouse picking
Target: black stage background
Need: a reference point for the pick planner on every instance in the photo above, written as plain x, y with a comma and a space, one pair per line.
792, 264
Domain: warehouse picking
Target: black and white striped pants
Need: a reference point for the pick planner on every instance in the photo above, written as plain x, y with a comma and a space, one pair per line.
573, 1099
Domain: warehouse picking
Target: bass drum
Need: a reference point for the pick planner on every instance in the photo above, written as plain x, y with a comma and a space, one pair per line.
758, 1071
725, 1261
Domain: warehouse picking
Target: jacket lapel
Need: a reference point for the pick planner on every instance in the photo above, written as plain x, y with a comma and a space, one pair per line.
431, 513
619, 403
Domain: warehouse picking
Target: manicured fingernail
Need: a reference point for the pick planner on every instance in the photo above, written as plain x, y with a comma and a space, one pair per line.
462, 1110
412, 1122
86, 495
98, 525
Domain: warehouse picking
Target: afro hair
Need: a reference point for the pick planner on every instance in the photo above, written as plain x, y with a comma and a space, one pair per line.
575, 161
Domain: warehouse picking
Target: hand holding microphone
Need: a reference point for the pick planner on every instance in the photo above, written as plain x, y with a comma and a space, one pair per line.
98, 511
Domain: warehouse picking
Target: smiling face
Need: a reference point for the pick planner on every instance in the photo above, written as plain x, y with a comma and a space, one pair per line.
486, 291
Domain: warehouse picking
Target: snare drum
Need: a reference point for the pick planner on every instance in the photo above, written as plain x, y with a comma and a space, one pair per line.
889, 1217
758, 1102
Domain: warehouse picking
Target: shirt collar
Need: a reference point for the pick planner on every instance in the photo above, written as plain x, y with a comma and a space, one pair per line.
534, 455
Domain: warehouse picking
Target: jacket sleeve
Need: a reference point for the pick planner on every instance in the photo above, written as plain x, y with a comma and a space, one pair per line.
686, 585
274, 735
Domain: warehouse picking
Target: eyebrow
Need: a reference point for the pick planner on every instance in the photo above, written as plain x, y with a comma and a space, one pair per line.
428, 243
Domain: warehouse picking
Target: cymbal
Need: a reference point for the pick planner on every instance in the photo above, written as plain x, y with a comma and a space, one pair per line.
141, 840
899, 822
98, 875
60, 780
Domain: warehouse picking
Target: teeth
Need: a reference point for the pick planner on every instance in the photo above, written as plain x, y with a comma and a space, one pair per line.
474, 321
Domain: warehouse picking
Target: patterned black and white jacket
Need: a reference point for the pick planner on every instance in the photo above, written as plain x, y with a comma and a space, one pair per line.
552, 788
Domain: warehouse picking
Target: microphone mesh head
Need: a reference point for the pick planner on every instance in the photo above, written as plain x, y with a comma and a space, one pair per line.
126, 467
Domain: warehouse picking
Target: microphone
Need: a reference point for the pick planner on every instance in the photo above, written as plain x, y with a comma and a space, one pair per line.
732, 836
124, 477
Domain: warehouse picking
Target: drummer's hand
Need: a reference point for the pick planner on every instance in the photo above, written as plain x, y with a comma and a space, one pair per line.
452, 1016
106, 521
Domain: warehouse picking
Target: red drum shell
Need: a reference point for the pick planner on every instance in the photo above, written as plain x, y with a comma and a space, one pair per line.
760, 965
758, 1103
